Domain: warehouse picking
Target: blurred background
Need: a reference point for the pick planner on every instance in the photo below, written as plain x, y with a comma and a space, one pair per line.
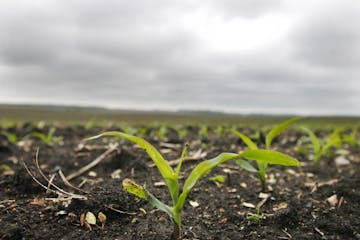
242, 57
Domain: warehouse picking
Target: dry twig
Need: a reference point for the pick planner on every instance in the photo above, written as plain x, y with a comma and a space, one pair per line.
93, 163
119, 211
59, 191
67, 183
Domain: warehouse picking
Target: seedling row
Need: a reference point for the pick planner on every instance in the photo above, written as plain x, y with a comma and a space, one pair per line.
170, 167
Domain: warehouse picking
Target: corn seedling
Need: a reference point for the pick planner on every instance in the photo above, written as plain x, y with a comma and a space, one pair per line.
218, 179
130, 130
262, 166
11, 137
161, 132
204, 131
320, 148
181, 131
255, 217
142, 131
351, 138
334, 139
171, 176
49, 138
8, 124
90, 124
256, 136
6, 170
220, 130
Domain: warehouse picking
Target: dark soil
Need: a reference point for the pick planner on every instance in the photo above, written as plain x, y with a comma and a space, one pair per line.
297, 204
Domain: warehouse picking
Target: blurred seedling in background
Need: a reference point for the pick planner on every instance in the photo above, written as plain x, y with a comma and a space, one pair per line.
90, 124
142, 131
161, 133
8, 124
255, 217
49, 139
351, 138
219, 180
130, 130
220, 131
11, 137
171, 176
204, 131
262, 166
5, 169
321, 148
182, 131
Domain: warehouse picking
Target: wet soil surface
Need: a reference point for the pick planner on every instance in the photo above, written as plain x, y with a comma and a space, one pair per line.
307, 202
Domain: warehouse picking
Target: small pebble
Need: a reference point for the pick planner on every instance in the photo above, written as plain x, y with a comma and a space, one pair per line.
194, 204
92, 174
333, 200
341, 161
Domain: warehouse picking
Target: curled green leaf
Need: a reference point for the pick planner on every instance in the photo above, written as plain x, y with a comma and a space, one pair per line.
270, 157
245, 139
278, 129
134, 188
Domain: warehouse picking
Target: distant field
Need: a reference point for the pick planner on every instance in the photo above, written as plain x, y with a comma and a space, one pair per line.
77, 115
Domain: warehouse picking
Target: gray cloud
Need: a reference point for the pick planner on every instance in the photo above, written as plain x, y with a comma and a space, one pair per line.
330, 39
244, 8
146, 55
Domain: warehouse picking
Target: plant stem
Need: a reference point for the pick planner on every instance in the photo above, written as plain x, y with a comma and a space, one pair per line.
263, 181
177, 224
176, 232
262, 177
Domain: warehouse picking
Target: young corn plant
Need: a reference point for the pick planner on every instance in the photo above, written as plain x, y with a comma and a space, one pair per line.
181, 131
49, 139
262, 165
351, 138
322, 148
161, 132
11, 137
204, 131
219, 131
171, 176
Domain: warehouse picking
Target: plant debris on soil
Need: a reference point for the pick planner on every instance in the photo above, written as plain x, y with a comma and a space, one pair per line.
308, 202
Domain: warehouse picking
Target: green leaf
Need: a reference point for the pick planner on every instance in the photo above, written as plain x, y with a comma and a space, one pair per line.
200, 170
278, 129
246, 165
262, 171
163, 166
90, 218
270, 157
204, 131
262, 156
335, 139
351, 138
12, 138
301, 150
42, 137
183, 155
162, 206
245, 139
218, 178
316, 144
51, 133
134, 188
139, 191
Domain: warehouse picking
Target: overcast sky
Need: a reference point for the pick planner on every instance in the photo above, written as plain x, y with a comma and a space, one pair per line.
245, 56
